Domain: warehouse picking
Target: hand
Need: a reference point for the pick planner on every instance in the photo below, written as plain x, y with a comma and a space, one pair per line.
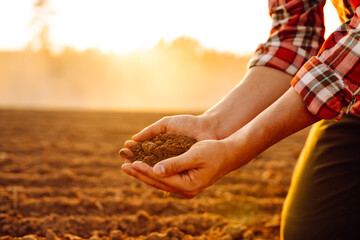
187, 174
208, 160
198, 127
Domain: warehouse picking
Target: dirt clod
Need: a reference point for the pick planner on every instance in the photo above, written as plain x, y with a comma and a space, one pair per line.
161, 147
157, 236
50, 235
248, 235
7, 237
71, 237
30, 237
175, 233
116, 235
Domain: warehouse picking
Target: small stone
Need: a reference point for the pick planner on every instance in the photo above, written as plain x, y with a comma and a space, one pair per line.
116, 235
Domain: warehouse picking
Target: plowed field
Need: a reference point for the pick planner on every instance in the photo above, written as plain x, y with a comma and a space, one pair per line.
60, 178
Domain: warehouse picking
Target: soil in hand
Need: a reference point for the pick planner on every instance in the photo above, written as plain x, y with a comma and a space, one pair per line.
161, 147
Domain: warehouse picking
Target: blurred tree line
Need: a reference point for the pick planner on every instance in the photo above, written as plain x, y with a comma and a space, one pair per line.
173, 75
180, 74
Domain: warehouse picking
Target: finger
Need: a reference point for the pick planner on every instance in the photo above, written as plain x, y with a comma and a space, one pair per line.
151, 131
179, 183
125, 153
130, 170
178, 164
130, 144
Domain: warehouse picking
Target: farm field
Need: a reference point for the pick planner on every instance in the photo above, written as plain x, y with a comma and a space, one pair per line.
60, 177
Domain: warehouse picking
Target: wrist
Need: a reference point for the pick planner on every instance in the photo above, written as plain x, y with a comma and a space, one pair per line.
232, 159
210, 123
239, 149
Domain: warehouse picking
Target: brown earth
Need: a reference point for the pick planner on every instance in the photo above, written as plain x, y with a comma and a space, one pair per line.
60, 178
161, 147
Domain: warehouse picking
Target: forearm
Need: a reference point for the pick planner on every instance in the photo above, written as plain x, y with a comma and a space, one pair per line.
259, 89
286, 116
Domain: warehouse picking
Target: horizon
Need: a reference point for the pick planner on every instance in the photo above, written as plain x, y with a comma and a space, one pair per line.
172, 76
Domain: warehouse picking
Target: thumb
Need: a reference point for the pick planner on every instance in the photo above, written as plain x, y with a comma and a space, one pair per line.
152, 130
174, 165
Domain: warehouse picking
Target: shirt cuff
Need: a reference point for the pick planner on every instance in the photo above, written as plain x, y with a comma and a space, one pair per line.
280, 55
324, 91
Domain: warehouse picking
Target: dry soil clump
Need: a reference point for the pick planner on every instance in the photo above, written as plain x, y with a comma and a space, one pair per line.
161, 147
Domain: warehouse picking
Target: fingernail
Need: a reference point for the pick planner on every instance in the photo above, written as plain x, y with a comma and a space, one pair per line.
137, 164
125, 153
122, 153
134, 137
159, 169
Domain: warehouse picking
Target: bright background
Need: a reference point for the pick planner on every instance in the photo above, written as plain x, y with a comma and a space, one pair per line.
202, 50
123, 26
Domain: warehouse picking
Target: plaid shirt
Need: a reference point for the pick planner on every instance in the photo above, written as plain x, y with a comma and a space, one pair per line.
327, 74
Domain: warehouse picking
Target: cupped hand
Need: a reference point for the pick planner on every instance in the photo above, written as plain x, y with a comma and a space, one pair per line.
198, 127
187, 174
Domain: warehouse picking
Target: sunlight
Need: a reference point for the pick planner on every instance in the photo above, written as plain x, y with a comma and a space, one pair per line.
14, 21
125, 26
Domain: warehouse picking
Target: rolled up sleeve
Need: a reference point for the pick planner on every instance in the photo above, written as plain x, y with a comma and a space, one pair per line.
296, 35
329, 83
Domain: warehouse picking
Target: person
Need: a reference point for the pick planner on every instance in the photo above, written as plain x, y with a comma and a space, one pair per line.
295, 79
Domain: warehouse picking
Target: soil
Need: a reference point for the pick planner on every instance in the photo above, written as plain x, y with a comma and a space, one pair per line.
60, 178
161, 147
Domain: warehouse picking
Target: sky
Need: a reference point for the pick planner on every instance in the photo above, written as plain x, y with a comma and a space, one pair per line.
124, 26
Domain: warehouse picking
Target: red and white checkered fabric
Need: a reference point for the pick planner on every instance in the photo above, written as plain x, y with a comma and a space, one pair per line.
329, 82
